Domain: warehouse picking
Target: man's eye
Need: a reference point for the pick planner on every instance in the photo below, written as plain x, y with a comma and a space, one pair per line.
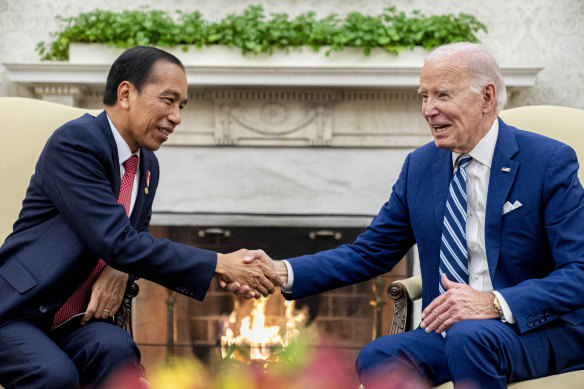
168, 100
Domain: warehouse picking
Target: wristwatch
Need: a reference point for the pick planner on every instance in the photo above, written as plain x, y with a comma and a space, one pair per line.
498, 307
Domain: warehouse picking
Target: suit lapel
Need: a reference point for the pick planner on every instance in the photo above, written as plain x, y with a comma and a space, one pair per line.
105, 128
442, 174
141, 193
503, 172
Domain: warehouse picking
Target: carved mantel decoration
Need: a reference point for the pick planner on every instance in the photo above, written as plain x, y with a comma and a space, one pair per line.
298, 118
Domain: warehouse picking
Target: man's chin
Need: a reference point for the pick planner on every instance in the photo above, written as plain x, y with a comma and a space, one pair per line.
152, 146
441, 144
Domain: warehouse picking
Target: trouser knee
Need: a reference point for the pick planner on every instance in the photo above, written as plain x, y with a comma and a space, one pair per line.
371, 356
386, 354
118, 350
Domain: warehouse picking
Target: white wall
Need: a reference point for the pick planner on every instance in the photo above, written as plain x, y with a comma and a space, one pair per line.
542, 32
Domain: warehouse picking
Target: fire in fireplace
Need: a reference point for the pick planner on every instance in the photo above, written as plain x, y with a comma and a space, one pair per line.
253, 332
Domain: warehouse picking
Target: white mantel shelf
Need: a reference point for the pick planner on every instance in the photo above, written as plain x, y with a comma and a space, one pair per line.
51, 73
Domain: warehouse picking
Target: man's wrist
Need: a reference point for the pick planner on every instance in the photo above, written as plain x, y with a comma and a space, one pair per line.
282, 270
219, 268
499, 308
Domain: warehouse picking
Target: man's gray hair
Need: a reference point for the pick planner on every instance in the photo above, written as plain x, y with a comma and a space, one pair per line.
482, 64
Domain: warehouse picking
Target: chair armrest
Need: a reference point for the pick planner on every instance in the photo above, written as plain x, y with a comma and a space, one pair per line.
403, 292
123, 317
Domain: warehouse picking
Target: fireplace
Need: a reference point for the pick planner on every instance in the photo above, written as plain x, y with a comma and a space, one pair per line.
344, 317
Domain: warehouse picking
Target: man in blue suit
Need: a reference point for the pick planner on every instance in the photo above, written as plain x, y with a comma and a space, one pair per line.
86, 215
510, 306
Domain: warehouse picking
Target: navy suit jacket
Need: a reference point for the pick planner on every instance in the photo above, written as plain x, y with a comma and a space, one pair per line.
70, 218
535, 252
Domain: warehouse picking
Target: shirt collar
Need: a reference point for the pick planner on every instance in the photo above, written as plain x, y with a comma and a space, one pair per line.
484, 150
124, 151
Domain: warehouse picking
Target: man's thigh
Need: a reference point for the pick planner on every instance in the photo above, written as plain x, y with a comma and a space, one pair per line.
30, 359
99, 349
409, 350
493, 348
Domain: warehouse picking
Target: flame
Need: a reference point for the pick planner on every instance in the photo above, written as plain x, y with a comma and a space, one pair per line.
254, 333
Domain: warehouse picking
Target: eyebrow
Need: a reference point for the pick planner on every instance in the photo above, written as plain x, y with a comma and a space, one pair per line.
438, 90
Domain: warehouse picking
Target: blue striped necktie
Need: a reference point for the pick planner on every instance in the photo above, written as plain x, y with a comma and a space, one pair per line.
453, 255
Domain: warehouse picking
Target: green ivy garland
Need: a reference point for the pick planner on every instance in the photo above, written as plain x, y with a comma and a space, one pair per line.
252, 32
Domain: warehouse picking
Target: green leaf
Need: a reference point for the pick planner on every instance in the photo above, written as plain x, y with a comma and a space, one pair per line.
251, 31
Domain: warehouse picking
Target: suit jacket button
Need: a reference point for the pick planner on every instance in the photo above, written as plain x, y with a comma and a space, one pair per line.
547, 315
43, 309
541, 318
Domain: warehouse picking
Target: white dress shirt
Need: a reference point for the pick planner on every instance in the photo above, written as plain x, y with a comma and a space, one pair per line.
124, 153
478, 172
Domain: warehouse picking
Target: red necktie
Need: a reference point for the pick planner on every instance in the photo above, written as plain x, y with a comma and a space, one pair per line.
79, 300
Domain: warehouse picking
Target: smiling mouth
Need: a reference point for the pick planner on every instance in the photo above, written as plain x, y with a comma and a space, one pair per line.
440, 128
164, 131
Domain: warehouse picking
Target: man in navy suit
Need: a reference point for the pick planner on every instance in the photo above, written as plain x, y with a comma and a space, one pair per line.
71, 221
519, 314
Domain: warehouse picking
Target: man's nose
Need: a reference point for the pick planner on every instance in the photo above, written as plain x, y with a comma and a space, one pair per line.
429, 108
175, 116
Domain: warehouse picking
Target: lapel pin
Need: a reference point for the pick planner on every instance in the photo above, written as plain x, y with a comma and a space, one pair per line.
506, 169
147, 181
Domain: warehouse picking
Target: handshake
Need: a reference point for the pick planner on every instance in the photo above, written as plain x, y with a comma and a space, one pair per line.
250, 273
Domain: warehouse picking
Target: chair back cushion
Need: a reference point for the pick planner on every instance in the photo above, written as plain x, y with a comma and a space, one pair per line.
561, 123
25, 127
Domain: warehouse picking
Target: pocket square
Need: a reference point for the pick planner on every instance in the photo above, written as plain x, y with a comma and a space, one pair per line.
508, 207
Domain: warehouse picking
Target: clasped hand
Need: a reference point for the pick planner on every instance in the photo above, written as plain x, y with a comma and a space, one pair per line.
249, 273
460, 302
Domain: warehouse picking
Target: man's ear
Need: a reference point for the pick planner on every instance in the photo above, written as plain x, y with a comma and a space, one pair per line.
125, 92
489, 98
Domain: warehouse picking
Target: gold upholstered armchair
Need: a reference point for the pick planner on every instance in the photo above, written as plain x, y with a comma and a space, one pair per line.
24, 129
561, 123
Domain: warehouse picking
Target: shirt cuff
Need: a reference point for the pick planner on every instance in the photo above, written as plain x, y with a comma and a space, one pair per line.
505, 307
288, 287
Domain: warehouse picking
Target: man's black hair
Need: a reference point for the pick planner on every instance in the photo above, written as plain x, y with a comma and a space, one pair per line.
135, 66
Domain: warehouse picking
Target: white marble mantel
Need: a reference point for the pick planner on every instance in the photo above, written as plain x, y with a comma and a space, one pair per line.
283, 99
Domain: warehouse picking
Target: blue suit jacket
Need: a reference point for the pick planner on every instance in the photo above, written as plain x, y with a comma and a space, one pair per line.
535, 253
70, 218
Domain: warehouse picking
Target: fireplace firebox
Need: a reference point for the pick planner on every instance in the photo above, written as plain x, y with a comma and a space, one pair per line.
343, 317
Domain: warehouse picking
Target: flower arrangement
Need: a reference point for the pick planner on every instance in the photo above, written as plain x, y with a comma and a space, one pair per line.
298, 366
